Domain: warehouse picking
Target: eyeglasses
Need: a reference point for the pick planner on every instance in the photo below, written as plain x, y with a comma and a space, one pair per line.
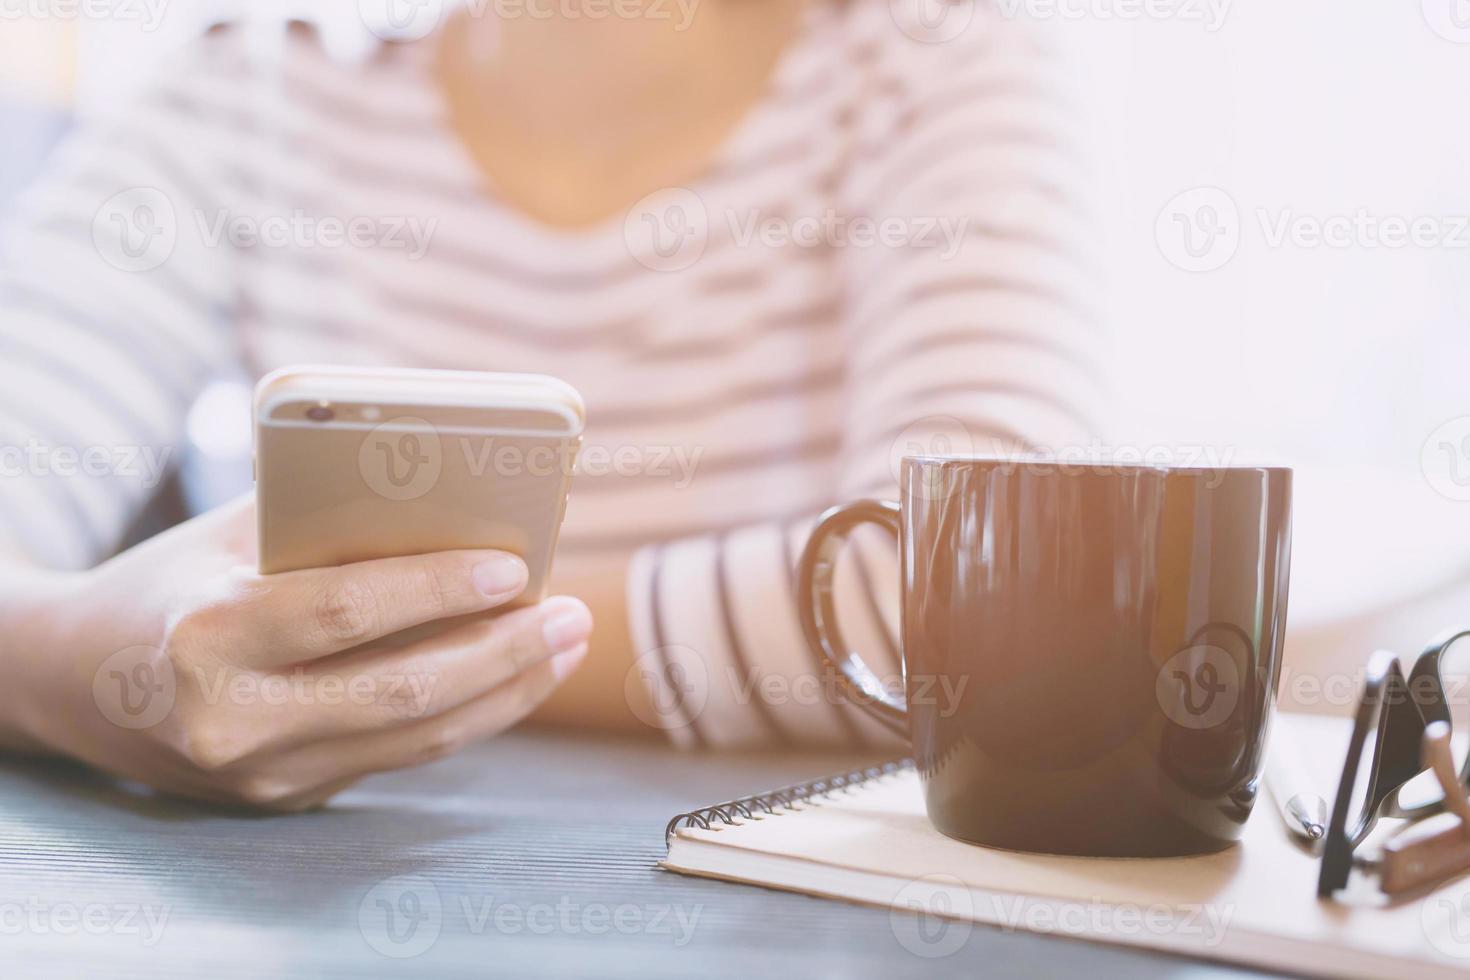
1404, 727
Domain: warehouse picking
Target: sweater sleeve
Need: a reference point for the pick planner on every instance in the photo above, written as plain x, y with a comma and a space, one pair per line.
968, 330
114, 311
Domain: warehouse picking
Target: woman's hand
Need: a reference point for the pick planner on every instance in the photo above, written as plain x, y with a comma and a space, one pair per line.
177, 665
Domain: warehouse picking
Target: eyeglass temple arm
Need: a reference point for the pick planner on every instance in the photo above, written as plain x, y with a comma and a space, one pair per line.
1438, 847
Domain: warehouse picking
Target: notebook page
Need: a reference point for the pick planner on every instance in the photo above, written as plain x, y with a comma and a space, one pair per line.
1237, 904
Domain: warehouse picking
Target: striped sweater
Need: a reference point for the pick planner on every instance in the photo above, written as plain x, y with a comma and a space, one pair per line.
886, 254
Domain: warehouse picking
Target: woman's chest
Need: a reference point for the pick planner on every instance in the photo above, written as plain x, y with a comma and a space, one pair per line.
669, 301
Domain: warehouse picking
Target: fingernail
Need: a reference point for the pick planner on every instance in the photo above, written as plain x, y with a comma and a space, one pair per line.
499, 575
564, 663
567, 629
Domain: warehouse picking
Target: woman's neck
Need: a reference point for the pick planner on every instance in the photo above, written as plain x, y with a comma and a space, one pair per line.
610, 104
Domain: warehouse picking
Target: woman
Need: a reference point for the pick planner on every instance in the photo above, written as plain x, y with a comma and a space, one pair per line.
773, 246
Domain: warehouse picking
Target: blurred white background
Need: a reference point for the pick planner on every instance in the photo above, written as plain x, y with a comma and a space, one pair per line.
1342, 359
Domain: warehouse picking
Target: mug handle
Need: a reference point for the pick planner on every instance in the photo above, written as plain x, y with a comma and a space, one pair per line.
818, 608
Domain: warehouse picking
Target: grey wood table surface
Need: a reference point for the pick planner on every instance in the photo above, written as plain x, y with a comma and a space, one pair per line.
533, 855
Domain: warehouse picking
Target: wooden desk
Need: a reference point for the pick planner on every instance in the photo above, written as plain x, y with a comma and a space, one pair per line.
539, 849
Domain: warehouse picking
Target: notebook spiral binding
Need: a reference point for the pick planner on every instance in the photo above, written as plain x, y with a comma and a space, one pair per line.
772, 802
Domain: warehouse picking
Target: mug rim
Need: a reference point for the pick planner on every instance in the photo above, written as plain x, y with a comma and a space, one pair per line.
1056, 464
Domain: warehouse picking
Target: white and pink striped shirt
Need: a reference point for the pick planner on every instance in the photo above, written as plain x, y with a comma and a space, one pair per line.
888, 250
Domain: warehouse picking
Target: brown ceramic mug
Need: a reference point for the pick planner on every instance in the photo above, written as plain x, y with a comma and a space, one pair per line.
1109, 635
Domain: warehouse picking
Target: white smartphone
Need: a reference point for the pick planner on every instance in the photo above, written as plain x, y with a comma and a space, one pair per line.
353, 464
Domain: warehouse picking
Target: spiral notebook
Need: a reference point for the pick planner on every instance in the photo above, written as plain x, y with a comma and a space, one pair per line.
863, 837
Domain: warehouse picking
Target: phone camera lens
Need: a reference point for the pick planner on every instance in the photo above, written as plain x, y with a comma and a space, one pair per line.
320, 413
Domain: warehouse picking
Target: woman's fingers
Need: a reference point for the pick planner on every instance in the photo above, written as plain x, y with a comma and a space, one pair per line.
384, 686
305, 615
307, 775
